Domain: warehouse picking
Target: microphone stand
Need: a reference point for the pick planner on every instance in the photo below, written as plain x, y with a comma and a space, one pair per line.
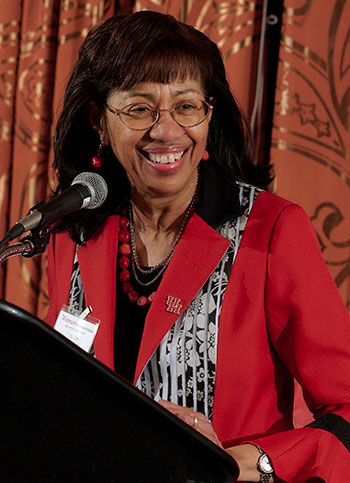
29, 246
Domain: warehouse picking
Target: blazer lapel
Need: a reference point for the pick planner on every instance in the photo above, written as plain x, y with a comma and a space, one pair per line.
198, 252
97, 262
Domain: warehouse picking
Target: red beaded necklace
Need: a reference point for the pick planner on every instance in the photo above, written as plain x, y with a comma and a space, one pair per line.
127, 249
124, 263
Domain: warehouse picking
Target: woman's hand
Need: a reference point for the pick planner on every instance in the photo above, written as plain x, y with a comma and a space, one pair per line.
245, 455
195, 419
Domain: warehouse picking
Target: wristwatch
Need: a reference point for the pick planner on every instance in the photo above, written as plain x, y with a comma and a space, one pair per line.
265, 467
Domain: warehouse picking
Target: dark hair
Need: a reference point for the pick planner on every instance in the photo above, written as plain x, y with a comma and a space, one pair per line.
117, 54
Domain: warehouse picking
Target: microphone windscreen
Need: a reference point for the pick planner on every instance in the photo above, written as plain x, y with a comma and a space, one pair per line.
96, 185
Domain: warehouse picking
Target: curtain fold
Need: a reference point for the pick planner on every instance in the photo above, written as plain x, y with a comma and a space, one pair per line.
30, 143
10, 22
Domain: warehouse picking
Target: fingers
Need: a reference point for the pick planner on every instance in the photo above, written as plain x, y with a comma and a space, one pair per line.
195, 419
187, 415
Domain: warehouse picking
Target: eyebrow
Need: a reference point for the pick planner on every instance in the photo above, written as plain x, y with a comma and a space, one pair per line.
151, 97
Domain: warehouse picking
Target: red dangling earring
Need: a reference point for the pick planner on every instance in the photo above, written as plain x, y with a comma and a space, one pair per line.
205, 156
97, 160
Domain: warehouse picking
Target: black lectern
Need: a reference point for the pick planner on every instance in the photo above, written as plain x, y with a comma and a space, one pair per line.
65, 417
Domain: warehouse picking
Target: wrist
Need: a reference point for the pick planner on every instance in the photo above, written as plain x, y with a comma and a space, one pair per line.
246, 456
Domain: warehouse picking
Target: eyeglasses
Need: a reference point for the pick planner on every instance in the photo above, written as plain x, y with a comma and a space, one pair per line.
141, 116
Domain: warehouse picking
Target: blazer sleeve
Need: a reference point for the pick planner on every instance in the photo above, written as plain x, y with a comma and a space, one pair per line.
309, 327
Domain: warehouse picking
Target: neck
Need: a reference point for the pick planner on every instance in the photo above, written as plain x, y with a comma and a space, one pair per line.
158, 225
161, 214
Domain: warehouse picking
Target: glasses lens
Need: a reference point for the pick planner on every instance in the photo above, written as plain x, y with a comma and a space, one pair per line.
138, 116
190, 112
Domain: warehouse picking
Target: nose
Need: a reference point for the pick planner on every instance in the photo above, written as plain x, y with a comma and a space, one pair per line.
166, 128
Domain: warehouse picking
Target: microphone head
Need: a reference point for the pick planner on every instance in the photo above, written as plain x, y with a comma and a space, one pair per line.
96, 185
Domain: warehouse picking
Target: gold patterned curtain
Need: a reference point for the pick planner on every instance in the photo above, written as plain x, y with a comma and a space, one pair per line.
311, 126
39, 41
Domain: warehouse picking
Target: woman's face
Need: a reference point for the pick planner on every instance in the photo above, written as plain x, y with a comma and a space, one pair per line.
161, 161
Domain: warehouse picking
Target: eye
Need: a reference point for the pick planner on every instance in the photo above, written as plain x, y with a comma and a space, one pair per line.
138, 110
188, 107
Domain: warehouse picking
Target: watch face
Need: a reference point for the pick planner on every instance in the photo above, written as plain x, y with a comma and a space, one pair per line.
264, 464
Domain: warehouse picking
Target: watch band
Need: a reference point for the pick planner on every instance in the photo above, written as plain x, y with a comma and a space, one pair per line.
265, 477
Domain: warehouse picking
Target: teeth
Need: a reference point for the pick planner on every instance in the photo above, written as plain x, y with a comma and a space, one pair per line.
165, 158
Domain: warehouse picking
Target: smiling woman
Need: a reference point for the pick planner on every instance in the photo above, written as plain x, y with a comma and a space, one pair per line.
212, 293
165, 52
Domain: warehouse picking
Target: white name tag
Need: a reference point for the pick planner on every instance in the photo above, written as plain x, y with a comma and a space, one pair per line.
77, 329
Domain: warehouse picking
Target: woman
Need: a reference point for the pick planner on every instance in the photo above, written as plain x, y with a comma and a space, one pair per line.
201, 281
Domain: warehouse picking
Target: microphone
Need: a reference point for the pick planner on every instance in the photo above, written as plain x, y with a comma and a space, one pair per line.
88, 190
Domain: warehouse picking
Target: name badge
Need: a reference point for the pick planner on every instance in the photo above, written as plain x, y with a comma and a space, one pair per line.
80, 329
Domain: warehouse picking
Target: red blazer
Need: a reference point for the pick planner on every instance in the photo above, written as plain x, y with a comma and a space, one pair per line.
281, 317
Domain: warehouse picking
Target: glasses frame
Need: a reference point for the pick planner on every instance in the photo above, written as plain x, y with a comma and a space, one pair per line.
118, 113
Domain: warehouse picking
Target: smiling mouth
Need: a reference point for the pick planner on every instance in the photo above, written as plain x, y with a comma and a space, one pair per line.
163, 158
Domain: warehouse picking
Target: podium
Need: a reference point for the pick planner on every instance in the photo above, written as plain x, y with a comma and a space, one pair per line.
65, 417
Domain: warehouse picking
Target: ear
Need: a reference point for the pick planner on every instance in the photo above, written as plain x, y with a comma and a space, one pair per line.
98, 122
